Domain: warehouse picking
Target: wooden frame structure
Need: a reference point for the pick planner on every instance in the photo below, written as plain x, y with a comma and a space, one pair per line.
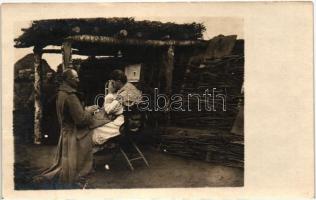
80, 40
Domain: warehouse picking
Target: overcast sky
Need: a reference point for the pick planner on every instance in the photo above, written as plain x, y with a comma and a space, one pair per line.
214, 27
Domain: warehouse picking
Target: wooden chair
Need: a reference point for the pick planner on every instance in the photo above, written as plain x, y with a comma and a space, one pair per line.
124, 143
133, 126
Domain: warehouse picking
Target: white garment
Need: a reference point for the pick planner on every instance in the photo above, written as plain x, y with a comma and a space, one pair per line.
111, 106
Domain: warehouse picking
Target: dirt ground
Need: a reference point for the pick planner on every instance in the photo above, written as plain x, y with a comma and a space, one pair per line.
165, 171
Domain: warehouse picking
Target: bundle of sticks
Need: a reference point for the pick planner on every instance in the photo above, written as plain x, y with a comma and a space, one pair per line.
212, 146
205, 134
221, 77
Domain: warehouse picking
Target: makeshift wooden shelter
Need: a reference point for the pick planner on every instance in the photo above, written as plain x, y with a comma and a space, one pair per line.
172, 58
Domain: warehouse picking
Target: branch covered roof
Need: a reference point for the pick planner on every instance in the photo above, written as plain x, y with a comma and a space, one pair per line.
54, 31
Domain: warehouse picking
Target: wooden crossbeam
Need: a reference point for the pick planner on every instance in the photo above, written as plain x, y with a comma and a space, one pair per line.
135, 42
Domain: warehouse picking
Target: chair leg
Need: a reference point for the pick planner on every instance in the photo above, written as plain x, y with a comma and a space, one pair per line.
127, 159
94, 164
115, 152
140, 153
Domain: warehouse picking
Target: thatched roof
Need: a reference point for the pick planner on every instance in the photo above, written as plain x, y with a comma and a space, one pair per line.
54, 32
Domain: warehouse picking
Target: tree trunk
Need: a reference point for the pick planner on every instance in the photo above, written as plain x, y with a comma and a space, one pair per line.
37, 95
66, 51
168, 65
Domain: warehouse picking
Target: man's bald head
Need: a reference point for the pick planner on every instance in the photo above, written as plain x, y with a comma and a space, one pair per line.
70, 76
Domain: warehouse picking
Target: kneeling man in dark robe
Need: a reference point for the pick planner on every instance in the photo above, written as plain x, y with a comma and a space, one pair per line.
74, 159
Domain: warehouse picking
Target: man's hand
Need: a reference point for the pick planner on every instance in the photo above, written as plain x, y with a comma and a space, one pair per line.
91, 109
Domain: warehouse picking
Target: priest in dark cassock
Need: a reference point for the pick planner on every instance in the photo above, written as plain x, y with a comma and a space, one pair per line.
74, 159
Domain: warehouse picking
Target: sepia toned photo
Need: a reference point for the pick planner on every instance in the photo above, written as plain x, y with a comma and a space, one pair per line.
199, 100
110, 102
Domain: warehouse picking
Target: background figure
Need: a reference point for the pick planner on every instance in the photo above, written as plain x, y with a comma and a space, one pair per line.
23, 107
238, 127
50, 128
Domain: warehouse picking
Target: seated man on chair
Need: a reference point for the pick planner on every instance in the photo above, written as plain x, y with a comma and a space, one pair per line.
121, 94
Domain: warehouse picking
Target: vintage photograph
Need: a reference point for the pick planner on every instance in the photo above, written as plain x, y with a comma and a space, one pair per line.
126, 102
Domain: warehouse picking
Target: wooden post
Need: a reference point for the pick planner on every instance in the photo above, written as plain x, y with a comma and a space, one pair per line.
169, 69
66, 52
37, 94
168, 63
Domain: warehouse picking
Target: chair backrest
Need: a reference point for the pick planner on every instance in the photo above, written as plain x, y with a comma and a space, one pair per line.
134, 120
